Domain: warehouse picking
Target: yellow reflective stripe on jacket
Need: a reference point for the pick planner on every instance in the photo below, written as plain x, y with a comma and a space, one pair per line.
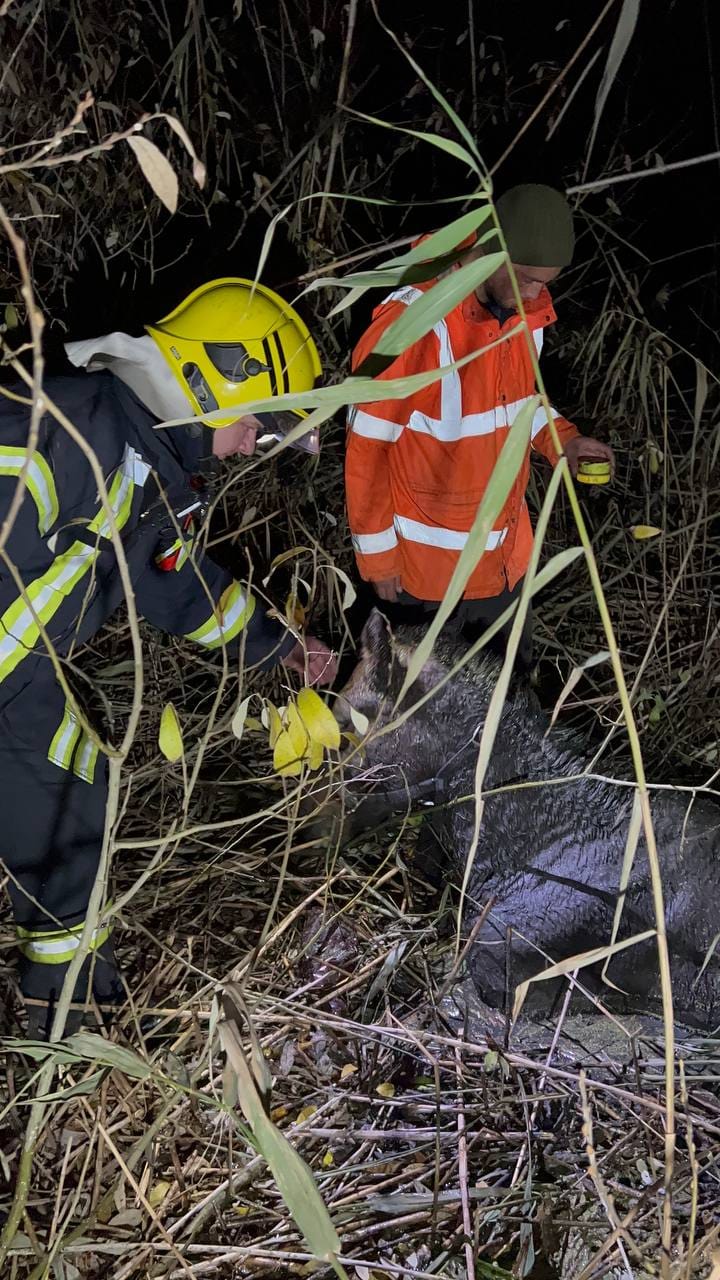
19, 625
86, 759
65, 740
39, 480
58, 946
132, 470
19, 629
233, 612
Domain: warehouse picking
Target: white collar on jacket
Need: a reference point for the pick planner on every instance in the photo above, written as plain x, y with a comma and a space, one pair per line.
140, 365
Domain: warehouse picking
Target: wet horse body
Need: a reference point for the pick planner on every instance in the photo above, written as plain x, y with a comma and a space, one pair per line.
552, 839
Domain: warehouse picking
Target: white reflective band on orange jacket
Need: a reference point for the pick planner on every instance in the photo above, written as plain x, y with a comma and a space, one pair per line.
417, 469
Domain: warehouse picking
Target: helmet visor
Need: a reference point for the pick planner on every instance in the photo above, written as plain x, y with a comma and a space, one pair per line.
276, 426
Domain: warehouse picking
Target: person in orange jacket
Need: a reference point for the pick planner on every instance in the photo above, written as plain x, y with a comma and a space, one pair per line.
416, 469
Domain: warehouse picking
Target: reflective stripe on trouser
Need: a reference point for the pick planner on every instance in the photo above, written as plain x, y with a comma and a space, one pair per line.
72, 747
52, 819
58, 946
233, 612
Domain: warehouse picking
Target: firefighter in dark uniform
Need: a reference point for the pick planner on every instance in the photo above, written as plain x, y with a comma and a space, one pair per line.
59, 582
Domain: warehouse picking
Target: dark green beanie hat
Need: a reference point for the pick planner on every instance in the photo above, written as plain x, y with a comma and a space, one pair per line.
537, 224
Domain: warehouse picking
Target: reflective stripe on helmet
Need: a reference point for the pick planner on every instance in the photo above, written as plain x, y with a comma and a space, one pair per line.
234, 611
39, 480
58, 946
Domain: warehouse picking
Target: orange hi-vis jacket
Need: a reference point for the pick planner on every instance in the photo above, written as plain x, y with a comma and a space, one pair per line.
416, 469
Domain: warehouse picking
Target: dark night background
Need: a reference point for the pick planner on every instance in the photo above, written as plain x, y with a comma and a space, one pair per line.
273, 76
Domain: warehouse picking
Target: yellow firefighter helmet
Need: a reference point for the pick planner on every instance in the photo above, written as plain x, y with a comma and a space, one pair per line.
232, 341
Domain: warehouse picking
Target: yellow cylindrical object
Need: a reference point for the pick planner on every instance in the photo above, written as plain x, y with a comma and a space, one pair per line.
593, 472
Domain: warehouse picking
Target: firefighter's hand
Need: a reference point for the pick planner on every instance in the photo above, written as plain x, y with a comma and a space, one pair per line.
314, 660
587, 449
389, 588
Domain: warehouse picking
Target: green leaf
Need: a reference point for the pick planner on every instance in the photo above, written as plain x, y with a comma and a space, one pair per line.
94, 1048
624, 30
292, 1176
574, 677
631, 845
82, 1087
325, 401
170, 738
360, 722
435, 139
504, 474
349, 592
419, 317
238, 721
433, 254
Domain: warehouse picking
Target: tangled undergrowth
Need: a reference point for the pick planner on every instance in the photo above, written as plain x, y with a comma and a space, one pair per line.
429, 1128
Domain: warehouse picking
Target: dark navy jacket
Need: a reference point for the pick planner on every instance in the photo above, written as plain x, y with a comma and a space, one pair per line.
60, 549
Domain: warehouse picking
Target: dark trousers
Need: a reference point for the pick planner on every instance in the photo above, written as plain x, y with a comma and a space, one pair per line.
468, 620
53, 793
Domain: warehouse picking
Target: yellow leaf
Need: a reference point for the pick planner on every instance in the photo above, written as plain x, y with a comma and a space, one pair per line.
318, 719
349, 1069
170, 739
226, 598
642, 531
278, 1113
294, 610
241, 1210
314, 757
274, 723
305, 1114
386, 1090
328, 1160
296, 730
157, 1193
286, 761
